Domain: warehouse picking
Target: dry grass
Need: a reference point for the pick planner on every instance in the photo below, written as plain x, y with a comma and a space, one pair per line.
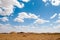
29, 36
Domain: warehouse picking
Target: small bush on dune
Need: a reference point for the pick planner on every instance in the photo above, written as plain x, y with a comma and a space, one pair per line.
13, 33
20, 32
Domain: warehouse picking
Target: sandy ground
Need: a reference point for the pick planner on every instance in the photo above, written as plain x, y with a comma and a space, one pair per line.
30, 36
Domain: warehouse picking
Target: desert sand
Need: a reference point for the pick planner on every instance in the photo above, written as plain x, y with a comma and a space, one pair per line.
29, 36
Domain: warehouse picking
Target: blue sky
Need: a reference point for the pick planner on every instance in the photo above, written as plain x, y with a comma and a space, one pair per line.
30, 15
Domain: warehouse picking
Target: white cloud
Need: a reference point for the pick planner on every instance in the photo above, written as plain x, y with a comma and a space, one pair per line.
19, 20
5, 28
33, 16
4, 19
58, 21
44, 1
43, 29
7, 6
23, 15
25, 0
53, 16
59, 15
57, 27
53, 2
41, 21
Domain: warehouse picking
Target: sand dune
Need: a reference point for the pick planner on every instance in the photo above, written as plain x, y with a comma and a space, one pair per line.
29, 36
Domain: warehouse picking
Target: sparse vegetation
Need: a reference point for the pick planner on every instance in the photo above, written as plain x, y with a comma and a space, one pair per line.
29, 36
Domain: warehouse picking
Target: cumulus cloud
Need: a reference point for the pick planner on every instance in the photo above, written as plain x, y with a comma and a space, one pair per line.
7, 6
25, 0
19, 20
21, 16
4, 19
53, 2
53, 16
41, 21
